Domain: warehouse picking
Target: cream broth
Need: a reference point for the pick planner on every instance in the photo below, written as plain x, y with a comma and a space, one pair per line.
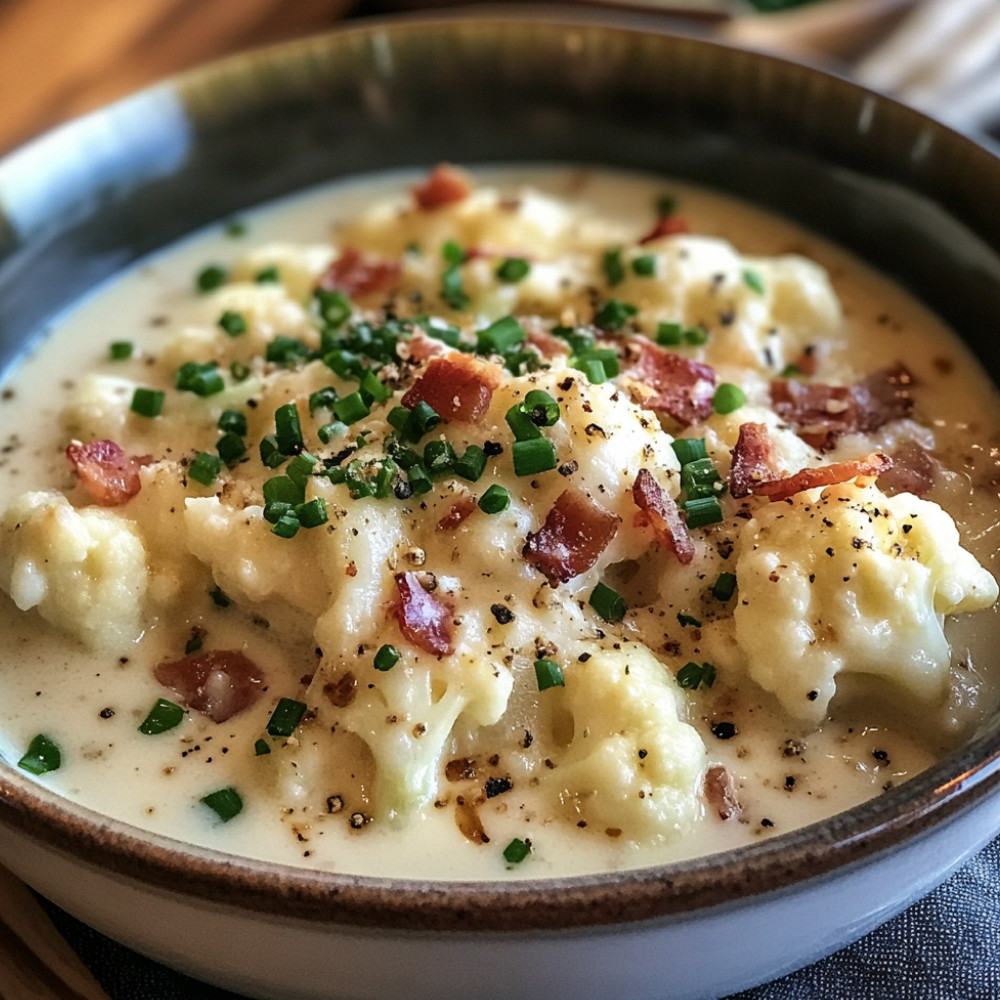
315, 799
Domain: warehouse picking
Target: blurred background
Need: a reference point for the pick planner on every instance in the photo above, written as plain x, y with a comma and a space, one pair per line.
59, 59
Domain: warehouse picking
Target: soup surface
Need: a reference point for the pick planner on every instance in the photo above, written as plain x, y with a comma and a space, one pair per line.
515, 524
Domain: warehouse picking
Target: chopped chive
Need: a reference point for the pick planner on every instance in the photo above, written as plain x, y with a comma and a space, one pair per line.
283, 489
606, 356
374, 388
644, 266
702, 511
211, 277
513, 269
593, 368
148, 402
270, 453
516, 851
494, 500
203, 379
225, 803
328, 432
288, 429
205, 468
470, 466
267, 275
608, 603
162, 716
323, 399
452, 253
531, 457
120, 350
689, 449
275, 510
753, 281
452, 289
548, 674
669, 334
300, 468
352, 408
231, 448
695, 335
421, 419
700, 478
666, 205
500, 336
724, 587
286, 716
239, 370
791, 371
611, 264
232, 421
233, 323
614, 314
287, 526
540, 408
684, 619
43, 755
692, 675
312, 513
728, 397
386, 657
261, 747
285, 351
521, 425
332, 307
439, 457
418, 479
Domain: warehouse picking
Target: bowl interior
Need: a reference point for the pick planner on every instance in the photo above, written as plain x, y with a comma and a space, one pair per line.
902, 191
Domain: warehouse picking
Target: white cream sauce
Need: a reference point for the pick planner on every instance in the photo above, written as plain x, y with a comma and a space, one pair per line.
788, 775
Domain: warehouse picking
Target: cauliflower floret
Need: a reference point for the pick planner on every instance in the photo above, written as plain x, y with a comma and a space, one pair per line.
853, 581
631, 764
98, 407
83, 569
298, 267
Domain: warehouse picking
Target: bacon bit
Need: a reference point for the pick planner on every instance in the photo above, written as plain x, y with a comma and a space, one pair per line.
421, 347
546, 343
755, 460
821, 413
824, 475
457, 386
460, 510
682, 388
445, 185
666, 225
106, 473
914, 470
720, 791
423, 619
342, 691
218, 683
576, 531
659, 510
356, 274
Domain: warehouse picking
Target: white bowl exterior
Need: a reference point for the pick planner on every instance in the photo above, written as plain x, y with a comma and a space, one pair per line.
694, 957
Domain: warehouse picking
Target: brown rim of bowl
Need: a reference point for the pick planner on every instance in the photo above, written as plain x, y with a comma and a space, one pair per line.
927, 802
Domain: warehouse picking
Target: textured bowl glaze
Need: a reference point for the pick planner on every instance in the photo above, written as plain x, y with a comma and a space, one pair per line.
902, 191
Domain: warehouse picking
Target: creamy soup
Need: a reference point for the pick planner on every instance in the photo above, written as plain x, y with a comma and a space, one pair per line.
532, 522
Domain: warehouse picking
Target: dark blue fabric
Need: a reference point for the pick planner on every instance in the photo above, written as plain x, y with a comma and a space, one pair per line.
945, 947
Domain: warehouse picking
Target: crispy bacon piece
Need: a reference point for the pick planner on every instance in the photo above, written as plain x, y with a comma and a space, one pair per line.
666, 225
444, 185
824, 475
755, 460
421, 347
106, 473
821, 413
423, 619
576, 531
659, 510
913, 470
459, 511
547, 344
356, 274
458, 386
218, 683
682, 388
720, 792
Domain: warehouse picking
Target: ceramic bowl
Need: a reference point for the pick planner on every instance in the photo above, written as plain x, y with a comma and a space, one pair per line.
903, 192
